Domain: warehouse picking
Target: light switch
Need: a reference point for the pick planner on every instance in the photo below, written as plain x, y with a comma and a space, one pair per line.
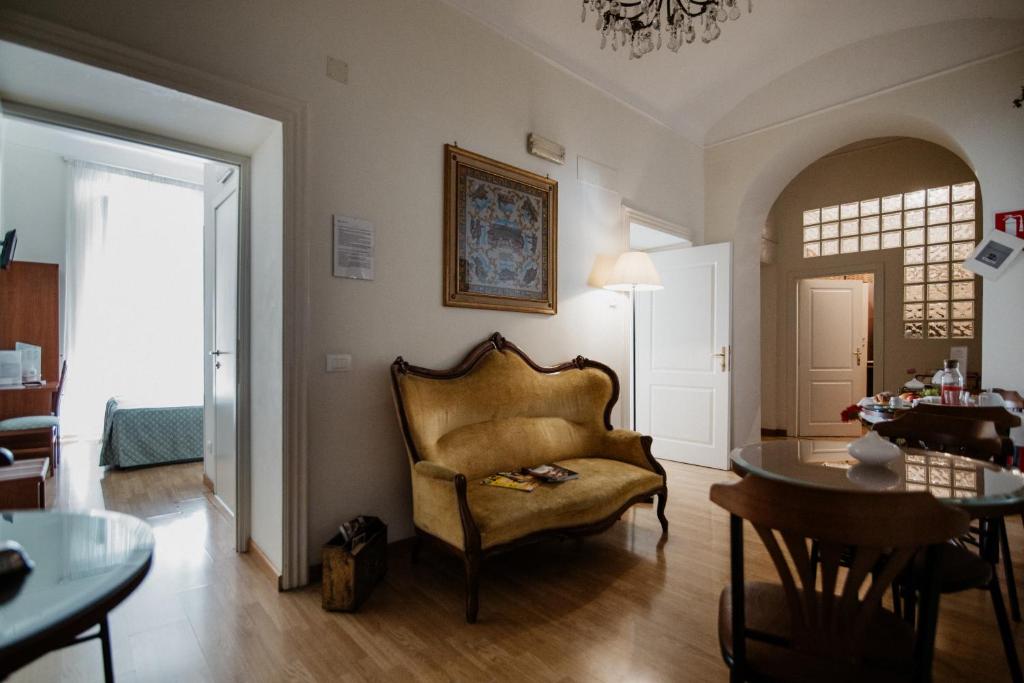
339, 362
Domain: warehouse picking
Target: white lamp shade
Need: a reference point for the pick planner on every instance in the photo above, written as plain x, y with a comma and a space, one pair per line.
634, 272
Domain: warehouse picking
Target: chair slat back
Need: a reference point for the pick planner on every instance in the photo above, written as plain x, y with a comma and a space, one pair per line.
939, 432
878, 532
55, 397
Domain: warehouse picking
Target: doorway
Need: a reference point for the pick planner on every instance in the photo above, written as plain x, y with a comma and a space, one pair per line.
681, 338
834, 351
156, 280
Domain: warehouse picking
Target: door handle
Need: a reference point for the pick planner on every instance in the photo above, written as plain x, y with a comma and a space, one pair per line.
218, 352
857, 354
723, 358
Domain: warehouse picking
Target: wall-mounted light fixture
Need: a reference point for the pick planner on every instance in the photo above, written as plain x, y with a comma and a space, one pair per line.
545, 149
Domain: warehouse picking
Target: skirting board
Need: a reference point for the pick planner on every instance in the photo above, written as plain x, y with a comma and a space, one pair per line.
773, 432
265, 564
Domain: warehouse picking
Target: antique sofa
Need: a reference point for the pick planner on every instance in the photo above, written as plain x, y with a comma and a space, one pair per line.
499, 411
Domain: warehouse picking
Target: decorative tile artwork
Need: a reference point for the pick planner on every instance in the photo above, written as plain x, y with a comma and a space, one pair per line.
935, 227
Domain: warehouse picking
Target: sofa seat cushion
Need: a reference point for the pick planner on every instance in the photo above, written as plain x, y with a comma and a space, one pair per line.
603, 487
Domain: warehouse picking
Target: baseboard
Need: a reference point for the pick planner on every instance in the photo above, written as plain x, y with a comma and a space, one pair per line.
265, 564
208, 483
773, 432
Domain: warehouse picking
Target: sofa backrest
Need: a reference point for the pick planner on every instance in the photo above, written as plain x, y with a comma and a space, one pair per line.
498, 411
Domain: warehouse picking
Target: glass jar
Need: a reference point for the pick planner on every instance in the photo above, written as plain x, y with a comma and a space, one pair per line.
952, 384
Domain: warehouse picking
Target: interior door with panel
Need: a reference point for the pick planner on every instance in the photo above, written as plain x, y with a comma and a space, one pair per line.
682, 371
222, 320
832, 333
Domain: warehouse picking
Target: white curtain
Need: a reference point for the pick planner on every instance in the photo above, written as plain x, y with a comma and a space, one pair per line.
134, 295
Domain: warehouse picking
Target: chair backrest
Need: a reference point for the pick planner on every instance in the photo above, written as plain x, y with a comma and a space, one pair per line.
498, 410
939, 432
1002, 418
882, 531
55, 397
1011, 395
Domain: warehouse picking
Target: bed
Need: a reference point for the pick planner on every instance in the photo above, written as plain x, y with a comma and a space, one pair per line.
136, 436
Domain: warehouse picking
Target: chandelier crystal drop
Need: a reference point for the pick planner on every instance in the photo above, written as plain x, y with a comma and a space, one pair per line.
640, 23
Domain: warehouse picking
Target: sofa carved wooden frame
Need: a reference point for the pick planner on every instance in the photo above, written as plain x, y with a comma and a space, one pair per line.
474, 554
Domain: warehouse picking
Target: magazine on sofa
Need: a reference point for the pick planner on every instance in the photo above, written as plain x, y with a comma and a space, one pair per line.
552, 473
511, 480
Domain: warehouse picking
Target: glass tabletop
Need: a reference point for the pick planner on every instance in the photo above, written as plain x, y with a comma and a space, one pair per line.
825, 463
83, 560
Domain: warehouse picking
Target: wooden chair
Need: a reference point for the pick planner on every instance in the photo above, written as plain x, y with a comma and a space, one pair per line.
940, 432
979, 439
30, 425
1001, 418
794, 632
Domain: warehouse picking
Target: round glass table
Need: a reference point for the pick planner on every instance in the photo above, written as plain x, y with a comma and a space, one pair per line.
964, 482
86, 563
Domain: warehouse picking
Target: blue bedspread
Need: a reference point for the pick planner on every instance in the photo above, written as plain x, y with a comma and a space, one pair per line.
133, 437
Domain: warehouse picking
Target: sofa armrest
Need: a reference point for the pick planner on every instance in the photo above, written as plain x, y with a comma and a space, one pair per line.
434, 470
630, 447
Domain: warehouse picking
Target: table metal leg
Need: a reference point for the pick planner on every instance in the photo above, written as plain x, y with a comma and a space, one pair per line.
108, 660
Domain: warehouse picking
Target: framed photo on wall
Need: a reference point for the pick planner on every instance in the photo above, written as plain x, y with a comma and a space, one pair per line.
500, 235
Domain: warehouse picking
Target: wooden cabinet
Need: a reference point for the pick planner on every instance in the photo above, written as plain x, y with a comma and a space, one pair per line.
30, 313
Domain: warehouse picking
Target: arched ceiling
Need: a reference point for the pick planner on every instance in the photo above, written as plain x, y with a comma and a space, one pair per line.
786, 59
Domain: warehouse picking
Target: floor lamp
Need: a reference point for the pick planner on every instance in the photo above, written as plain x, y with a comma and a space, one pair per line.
633, 272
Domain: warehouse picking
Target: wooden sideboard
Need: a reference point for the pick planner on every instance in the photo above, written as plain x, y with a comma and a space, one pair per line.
30, 313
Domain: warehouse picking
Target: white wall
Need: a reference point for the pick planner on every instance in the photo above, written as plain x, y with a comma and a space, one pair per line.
421, 74
266, 441
967, 110
35, 201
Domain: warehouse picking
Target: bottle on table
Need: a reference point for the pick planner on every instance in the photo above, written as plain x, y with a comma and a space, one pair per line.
952, 384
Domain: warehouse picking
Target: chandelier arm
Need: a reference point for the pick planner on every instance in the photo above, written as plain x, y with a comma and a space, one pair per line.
681, 7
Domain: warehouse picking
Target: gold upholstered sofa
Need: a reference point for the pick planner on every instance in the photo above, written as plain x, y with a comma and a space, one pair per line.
499, 411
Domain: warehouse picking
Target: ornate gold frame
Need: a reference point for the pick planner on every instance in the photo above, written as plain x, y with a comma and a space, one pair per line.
453, 158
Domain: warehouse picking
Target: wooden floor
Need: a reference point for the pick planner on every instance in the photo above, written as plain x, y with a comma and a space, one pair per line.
621, 606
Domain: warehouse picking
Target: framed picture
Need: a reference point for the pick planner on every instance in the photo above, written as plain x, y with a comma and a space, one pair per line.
500, 235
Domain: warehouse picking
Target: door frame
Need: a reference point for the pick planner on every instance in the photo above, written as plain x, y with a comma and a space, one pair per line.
17, 110
789, 360
293, 115
628, 214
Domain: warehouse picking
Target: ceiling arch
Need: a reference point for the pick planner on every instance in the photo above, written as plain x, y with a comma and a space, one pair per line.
783, 60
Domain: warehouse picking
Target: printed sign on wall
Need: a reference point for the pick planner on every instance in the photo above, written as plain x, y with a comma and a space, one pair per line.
1011, 222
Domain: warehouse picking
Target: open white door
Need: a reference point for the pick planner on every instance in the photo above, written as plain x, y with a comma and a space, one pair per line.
832, 335
222, 322
683, 338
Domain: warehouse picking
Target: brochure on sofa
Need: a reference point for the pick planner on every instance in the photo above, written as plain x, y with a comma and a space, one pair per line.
511, 480
552, 473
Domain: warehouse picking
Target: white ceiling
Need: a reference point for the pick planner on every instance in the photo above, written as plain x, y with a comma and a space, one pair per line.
786, 59
44, 80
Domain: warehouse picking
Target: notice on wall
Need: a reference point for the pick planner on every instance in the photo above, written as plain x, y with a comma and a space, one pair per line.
353, 248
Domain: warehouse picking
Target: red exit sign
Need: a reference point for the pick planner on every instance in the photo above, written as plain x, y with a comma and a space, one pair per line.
1011, 222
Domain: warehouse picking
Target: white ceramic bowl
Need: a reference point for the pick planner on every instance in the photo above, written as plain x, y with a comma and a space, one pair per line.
871, 449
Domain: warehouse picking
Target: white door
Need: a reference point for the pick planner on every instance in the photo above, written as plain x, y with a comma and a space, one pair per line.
683, 337
222, 319
832, 336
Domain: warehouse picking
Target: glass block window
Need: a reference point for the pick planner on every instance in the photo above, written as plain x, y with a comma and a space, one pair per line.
934, 227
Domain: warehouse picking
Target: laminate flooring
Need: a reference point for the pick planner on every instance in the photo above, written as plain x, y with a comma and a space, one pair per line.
621, 606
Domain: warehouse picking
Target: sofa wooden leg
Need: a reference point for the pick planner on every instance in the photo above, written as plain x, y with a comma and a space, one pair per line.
472, 561
662, 499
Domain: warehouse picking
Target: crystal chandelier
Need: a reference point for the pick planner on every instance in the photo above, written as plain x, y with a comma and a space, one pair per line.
639, 22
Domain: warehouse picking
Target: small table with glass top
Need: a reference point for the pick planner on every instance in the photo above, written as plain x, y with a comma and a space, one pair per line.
974, 485
86, 563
